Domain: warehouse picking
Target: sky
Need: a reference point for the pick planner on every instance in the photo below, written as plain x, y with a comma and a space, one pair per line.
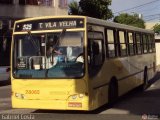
150, 9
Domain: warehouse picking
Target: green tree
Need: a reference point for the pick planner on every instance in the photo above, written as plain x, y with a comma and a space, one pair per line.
156, 28
132, 20
74, 8
93, 8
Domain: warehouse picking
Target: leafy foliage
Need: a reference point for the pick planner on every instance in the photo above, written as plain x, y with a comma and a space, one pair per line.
74, 8
132, 20
156, 28
96, 8
93, 8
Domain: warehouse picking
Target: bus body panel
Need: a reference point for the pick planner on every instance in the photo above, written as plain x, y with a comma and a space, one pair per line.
129, 73
128, 70
53, 93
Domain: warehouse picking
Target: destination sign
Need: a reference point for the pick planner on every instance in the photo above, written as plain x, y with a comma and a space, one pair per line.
50, 24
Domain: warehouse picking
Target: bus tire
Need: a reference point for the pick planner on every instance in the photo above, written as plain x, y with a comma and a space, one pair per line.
145, 78
113, 91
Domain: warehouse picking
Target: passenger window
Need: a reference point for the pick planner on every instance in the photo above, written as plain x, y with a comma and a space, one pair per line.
145, 43
131, 43
111, 43
153, 43
149, 43
138, 43
123, 48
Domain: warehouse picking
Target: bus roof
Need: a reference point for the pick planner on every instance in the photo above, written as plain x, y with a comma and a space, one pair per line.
48, 17
116, 25
91, 20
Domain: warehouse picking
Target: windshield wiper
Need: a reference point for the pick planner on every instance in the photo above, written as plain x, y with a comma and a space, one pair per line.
33, 42
61, 35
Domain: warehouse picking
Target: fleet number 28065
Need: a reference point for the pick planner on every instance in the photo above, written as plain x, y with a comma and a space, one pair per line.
32, 92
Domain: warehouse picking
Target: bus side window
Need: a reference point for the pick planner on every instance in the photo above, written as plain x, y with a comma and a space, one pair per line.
149, 44
111, 44
153, 43
131, 43
145, 43
122, 41
138, 43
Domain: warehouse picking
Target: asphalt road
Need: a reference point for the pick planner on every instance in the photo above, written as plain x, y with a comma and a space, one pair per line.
129, 107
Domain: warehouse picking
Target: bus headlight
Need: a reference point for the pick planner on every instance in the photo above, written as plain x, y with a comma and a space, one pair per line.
81, 95
74, 97
17, 95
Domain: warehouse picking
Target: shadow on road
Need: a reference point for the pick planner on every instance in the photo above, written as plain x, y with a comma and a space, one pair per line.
153, 80
136, 102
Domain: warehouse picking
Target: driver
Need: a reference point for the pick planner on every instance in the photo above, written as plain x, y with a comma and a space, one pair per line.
52, 58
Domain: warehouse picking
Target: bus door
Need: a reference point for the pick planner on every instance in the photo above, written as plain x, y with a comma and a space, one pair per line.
95, 52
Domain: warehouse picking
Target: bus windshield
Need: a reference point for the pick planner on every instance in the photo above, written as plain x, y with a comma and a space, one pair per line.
49, 55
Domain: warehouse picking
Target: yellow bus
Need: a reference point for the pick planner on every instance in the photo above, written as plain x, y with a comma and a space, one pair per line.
77, 62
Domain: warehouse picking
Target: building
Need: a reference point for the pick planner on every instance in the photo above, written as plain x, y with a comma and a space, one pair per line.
11, 10
150, 25
32, 8
157, 43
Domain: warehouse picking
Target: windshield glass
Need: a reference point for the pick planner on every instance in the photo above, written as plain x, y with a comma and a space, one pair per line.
49, 55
